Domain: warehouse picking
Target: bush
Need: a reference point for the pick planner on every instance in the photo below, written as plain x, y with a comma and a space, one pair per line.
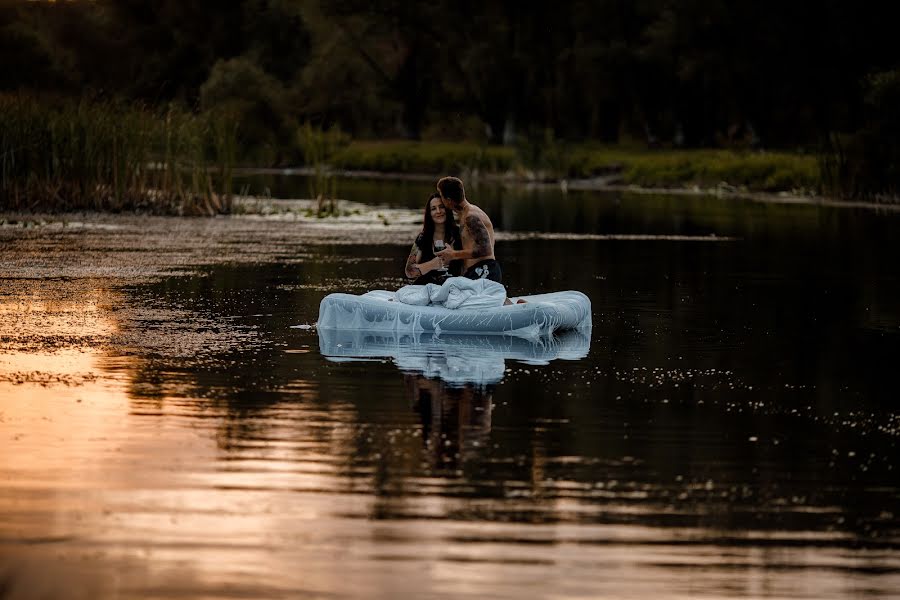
425, 157
770, 172
256, 100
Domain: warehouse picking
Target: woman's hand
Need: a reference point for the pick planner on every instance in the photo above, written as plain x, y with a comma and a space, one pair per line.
431, 265
445, 255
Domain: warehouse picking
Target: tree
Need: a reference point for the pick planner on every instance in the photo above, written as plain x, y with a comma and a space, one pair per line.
395, 40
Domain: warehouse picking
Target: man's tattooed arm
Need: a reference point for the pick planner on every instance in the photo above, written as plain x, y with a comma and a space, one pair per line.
480, 237
412, 271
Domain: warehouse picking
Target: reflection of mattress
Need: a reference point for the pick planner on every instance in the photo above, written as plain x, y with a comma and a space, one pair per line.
541, 315
456, 359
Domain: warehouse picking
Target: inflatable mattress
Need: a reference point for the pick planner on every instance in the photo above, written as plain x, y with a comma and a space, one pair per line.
540, 315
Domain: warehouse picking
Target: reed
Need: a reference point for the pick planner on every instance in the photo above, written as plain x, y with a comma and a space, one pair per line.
319, 150
107, 155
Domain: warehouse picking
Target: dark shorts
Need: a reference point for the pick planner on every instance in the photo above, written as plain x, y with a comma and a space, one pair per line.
486, 269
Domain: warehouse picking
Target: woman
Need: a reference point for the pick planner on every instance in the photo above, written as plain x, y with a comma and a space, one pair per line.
438, 228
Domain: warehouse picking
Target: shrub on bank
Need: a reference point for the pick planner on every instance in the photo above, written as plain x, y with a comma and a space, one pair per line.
769, 172
425, 157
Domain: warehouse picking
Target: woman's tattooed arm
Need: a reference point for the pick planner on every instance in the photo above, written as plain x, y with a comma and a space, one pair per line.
413, 271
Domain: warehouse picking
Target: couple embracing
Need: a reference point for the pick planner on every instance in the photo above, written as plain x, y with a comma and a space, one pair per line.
446, 248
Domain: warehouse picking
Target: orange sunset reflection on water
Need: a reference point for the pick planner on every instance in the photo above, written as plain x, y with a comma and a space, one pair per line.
105, 479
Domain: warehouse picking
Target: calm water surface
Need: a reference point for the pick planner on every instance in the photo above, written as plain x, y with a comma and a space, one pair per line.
727, 429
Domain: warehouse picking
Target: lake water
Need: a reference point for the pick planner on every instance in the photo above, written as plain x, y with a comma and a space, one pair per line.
727, 429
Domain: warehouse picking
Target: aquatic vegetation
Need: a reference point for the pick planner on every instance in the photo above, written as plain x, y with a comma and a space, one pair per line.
546, 158
95, 154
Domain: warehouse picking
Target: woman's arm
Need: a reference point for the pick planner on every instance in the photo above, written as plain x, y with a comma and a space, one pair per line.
412, 268
415, 269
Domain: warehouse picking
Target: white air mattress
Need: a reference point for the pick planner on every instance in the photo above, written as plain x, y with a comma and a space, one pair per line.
539, 316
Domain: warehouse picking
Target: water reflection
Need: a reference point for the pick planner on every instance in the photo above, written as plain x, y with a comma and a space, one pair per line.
450, 379
456, 420
455, 359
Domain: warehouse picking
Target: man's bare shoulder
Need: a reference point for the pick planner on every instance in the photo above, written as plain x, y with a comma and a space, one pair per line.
477, 212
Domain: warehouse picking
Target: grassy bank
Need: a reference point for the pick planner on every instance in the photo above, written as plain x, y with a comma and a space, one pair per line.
62, 155
754, 171
425, 157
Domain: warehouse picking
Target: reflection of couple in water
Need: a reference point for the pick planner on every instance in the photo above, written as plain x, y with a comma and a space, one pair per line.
456, 421
444, 247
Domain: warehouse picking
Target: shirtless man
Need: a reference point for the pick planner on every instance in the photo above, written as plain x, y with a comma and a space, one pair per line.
476, 234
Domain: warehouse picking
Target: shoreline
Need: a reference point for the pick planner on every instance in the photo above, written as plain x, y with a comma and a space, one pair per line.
593, 184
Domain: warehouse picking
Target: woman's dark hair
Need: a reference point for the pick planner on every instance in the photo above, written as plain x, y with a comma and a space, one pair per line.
451, 231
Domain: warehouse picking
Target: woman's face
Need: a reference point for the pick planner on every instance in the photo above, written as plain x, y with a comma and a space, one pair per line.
438, 214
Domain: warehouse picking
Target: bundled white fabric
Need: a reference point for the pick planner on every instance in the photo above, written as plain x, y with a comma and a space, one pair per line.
417, 295
455, 293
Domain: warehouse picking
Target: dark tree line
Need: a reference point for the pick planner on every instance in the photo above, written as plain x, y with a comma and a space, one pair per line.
690, 73
686, 73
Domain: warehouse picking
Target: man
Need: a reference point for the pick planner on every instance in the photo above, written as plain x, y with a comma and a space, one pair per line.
476, 234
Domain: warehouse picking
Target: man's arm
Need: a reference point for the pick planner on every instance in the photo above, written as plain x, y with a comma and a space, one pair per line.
481, 242
481, 238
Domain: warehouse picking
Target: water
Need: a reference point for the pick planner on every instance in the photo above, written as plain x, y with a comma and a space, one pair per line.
728, 428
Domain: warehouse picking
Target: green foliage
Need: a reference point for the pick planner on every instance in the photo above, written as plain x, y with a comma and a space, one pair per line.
545, 156
257, 101
108, 155
762, 171
426, 157
769, 172
23, 46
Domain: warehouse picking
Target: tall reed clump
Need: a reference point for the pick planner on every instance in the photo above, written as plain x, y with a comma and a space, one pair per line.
865, 164
107, 155
319, 148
